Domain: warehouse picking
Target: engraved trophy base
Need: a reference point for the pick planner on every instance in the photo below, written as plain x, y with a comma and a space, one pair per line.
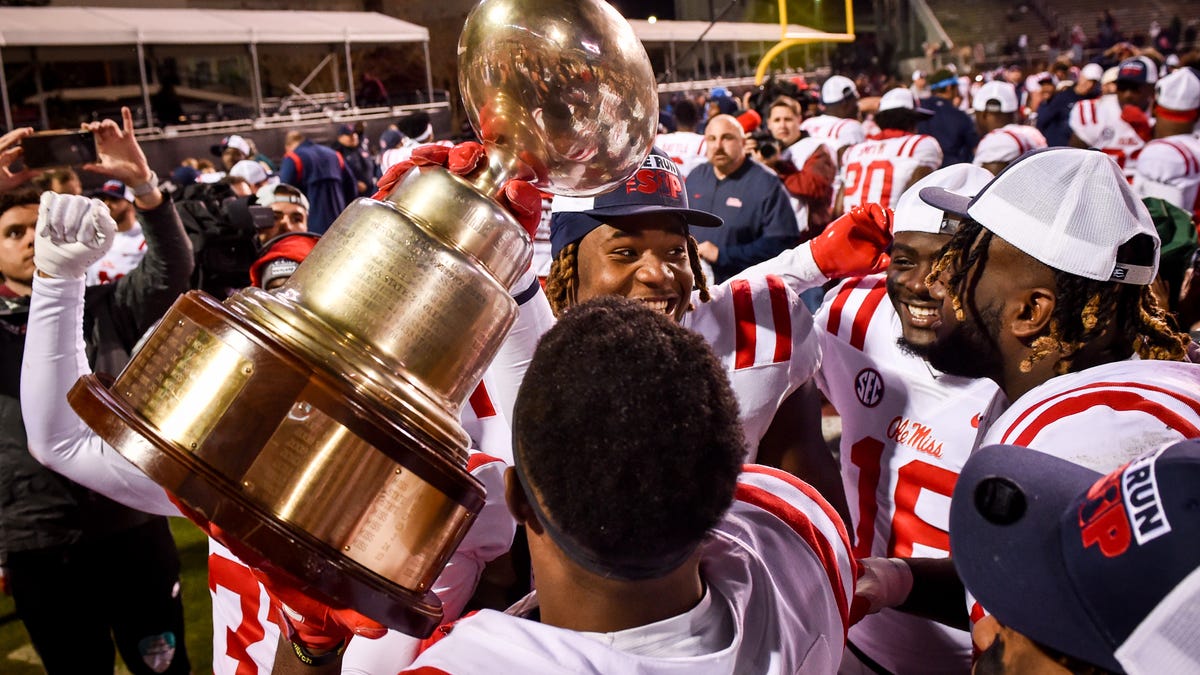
297, 466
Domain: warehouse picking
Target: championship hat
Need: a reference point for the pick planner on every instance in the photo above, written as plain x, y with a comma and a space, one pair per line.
114, 189
902, 99
837, 89
1072, 209
1104, 568
1177, 96
1138, 70
657, 187
996, 96
281, 256
914, 215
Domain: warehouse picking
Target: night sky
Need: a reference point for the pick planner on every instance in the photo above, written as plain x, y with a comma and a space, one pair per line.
641, 9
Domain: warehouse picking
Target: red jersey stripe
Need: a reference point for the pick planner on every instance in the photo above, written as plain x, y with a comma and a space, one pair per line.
1194, 405
810, 492
746, 330
782, 317
236, 577
913, 150
479, 459
803, 527
858, 333
1193, 165
481, 403
1117, 400
839, 305
1020, 143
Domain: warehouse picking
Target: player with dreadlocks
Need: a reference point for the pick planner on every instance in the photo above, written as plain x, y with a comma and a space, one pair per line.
1045, 289
635, 242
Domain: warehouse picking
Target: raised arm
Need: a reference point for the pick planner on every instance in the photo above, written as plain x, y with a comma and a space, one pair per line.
72, 232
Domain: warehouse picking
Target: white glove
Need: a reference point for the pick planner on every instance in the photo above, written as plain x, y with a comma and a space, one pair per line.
72, 233
882, 582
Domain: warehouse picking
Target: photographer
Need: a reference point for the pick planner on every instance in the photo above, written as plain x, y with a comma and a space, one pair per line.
70, 552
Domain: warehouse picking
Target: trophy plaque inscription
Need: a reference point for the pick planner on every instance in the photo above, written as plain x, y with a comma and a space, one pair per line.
317, 425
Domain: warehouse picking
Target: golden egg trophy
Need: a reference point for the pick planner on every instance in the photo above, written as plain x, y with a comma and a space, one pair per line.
317, 425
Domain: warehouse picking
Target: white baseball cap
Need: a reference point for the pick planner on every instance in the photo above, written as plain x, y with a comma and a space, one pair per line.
837, 88
1072, 209
901, 98
267, 195
914, 215
1002, 93
1178, 92
1109, 75
1092, 71
252, 171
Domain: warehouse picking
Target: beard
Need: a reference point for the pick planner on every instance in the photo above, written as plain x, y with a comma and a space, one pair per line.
967, 350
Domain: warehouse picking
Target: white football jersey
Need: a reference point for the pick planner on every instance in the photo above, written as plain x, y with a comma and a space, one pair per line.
1103, 416
245, 636
878, 171
1098, 123
760, 330
791, 622
1169, 168
1008, 143
835, 132
127, 251
485, 423
685, 148
907, 430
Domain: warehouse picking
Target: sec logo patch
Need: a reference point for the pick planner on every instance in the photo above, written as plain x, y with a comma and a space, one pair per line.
868, 386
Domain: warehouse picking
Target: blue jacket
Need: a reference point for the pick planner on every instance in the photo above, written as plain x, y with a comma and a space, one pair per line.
759, 220
1054, 116
322, 175
954, 130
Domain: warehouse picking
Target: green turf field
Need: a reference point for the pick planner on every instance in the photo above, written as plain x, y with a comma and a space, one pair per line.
18, 658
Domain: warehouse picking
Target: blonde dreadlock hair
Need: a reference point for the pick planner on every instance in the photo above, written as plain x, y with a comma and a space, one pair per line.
563, 280
1084, 310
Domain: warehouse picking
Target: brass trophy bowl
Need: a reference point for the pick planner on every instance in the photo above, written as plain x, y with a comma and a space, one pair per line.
317, 425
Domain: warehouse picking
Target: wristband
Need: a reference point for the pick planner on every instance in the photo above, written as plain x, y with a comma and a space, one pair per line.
146, 188
309, 659
301, 651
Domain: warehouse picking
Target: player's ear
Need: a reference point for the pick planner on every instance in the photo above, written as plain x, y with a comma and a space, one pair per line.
518, 502
1033, 309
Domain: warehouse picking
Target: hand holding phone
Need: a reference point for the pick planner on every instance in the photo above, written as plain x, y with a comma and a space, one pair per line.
10, 151
58, 148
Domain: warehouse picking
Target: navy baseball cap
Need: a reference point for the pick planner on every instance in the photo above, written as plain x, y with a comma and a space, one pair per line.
656, 187
1139, 70
1104, 568
114, 189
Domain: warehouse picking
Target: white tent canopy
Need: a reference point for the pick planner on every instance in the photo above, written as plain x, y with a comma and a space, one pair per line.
41, 27
78, 26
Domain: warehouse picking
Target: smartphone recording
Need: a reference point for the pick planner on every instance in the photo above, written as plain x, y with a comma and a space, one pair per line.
47, 149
